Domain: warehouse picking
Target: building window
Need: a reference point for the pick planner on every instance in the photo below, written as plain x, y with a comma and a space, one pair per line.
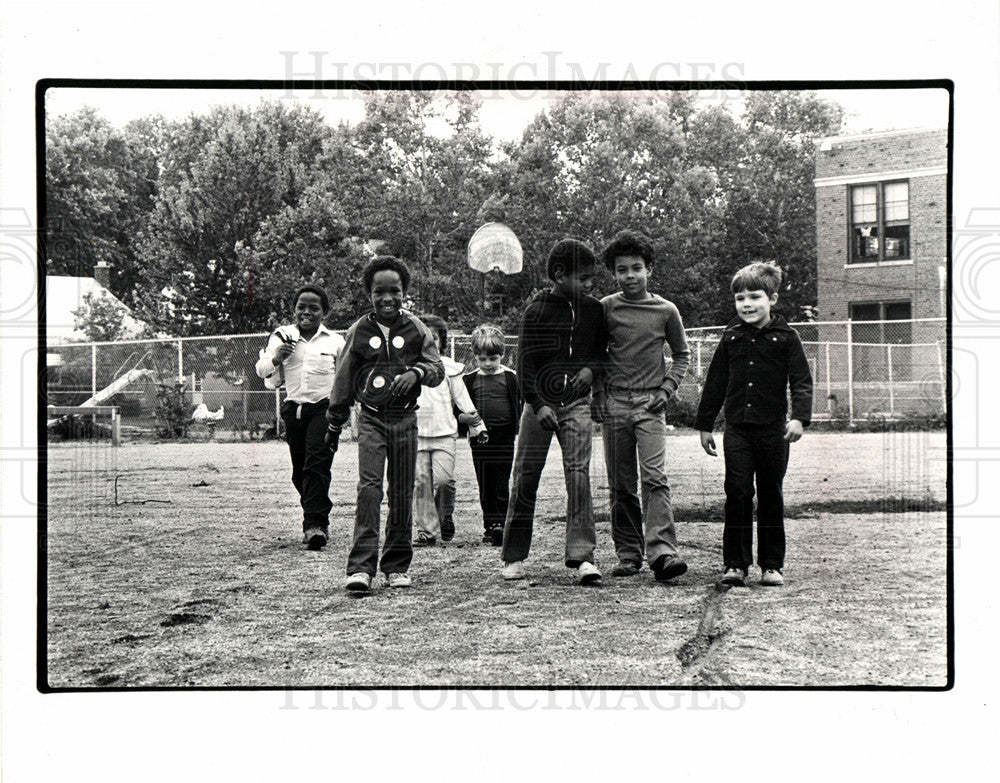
876, 329
880, 222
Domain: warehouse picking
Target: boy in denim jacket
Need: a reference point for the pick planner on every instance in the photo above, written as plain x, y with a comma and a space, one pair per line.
759, 357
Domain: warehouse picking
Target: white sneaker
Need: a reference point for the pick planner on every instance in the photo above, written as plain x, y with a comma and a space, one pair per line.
399, 580
513, 570
589, 573
772, 578
358, 583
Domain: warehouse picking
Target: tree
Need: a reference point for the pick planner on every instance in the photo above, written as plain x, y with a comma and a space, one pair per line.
99, 183
103, 318
223, 175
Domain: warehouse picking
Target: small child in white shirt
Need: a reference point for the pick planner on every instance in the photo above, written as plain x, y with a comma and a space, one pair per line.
437, 434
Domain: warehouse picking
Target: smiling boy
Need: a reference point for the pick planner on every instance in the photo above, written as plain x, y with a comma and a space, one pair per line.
303, 356
758, 359
388, 355
635, 389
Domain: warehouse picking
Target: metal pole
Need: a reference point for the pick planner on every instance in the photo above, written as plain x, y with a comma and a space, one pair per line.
829, 388
93, 370
850, 372
697, 360
944, 380
892, 406
180, 360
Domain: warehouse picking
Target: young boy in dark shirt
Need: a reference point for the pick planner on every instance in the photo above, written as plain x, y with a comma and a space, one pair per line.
496, 395
388, 355
759, 357
562, 343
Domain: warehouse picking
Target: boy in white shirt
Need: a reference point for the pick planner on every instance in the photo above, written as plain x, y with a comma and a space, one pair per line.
303, 355
437, 434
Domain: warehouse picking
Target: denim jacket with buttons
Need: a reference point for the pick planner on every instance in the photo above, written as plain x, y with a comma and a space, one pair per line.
750, 376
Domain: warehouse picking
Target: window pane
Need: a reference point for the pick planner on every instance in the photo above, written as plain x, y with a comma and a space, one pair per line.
866, 311
898, 311
865, 244
897, 201
863, 204
897, 241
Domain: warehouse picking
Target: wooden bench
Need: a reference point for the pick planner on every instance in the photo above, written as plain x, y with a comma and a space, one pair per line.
109, 411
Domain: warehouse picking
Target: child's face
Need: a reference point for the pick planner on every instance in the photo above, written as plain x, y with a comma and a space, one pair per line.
754, 307
489, 363
308, 312
387, 295
437, 339
574, 284
632, 276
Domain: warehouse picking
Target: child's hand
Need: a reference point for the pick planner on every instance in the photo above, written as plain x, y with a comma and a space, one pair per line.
481, 439
282, 352
793, 430
657, 401
599, 409
547, 418
403, 382
580, 382
470, 419
708, 443
332, 437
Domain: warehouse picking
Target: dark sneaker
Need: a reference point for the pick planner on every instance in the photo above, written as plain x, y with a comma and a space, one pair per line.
315, 538
666, 567
772, 578
496, 535
625, 568
736, 577
424, 539
447, 529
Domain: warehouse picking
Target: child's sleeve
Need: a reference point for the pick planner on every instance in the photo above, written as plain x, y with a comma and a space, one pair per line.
265, 367
463, 402
342, 393
714, 393
679, 351
527, 358
429, 366
800, 381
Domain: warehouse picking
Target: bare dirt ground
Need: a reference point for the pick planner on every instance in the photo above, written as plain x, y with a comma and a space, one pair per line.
197, 577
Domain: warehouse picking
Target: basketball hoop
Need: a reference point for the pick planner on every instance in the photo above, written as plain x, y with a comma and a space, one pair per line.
495, 248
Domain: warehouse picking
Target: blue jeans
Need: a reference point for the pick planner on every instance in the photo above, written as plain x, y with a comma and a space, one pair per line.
630, 430
761, 451
381, 441
533, 442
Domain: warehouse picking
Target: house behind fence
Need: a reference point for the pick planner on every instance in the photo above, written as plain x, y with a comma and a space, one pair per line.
861, 370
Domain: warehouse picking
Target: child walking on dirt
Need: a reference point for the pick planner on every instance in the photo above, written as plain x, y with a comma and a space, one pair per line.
497, 397
389, 354
631, 401
562, 344
303, 356
758, 358
437, 433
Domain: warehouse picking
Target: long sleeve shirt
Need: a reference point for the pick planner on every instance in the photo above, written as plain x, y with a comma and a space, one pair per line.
556, 339
751, 374
638, 331
308, 371
436, 404
372, 358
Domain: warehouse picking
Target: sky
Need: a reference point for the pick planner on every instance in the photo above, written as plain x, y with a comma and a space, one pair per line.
503, 116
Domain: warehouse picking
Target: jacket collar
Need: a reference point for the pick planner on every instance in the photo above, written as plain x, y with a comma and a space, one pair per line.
778, 324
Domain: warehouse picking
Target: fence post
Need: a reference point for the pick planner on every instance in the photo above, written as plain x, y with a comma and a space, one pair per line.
93, 369
892, 406
829, 388
944, 379
697, 362
850, 372
180, 359
452, 340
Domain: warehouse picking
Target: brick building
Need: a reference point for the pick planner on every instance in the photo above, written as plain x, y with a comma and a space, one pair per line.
881, 242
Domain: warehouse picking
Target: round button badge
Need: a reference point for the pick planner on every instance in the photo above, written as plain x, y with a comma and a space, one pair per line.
375, 342
378, 382
397, 341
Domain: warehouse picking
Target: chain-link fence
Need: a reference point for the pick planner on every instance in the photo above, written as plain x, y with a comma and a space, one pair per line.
207, 387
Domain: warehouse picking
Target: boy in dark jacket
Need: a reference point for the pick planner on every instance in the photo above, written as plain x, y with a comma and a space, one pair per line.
758, 358
562, 344
388, 355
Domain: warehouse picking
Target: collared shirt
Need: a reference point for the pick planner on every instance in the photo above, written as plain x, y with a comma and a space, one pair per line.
751, 374
309, 370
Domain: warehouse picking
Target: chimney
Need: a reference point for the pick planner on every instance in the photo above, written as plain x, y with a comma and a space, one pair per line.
102, 273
